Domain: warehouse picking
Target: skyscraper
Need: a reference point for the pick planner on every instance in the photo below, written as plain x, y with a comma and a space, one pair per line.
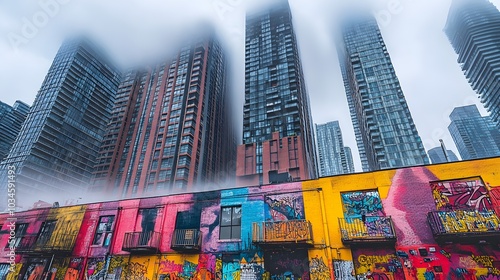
437, 155
349, 158
170, 128
11, 119
58, 144
474, 135
333, 157
278, 138
383, 126
472, 28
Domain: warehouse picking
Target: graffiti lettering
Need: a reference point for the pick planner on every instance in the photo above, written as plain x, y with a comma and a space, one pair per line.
318, 269
370, 260
362, 203
467, 220
167, 266
231, 271
289, 230
343, 270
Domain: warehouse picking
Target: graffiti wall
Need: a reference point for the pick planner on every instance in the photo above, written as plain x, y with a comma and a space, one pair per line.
357, 204
377, 263
292, 265
284, 207
462, 194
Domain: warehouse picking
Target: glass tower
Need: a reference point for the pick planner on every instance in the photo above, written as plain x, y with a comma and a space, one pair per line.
170, 128
333, 157
474, 135
278, 139
473, 30
438, 156
11, 119
58, 144
383, 126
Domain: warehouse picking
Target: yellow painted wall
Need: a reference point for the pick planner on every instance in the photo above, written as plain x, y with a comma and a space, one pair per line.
488, 169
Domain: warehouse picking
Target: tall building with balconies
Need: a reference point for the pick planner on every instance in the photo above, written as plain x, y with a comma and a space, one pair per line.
472, 28
11, 120
333, 157
385, 132
59, 141
474, 135
278, 138
171, 128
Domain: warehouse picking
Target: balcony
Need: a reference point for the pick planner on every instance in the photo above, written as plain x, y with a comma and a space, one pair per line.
26, 243
48, 243
141, 242
373, 229
186, 240
293, 232
464, 226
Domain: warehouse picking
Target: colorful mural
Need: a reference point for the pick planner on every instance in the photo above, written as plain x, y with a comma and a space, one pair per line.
396, 206
463, 194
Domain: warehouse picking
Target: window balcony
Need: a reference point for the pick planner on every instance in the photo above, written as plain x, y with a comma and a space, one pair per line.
293, 232
141, 242
59, 243
26, 243
371, 230
186, 240
464, 226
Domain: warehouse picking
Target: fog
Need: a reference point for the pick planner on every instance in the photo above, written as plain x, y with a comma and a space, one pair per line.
139, 32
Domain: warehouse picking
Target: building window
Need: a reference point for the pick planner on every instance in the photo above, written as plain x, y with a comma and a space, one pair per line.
104, 230
230, 223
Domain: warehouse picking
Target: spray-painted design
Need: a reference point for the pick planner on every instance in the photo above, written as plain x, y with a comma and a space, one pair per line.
285, 207
231, 270
357, 204
318, 269
34, 271
466, 194
6, 273
464, 262
468, 221
208, 267
343, 270
96, 269
287, 265
377, 263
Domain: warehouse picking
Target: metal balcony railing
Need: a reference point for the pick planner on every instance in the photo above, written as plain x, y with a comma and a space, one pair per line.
25, 243
372, 229
55, 243
292, 231
450, 225
141, 241
186, 240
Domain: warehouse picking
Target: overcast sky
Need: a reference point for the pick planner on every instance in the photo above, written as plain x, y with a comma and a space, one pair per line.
135, 32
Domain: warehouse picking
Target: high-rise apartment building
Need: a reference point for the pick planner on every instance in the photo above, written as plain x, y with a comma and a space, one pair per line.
58, 144
11, 120
170, 128
472, 28
278, 137
333, 157
437, 155
383, 126
350, 160
474, 135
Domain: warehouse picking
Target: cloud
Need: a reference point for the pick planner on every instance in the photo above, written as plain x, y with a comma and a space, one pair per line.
139, 31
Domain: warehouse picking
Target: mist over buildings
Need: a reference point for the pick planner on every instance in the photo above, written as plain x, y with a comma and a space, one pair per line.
139, 33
